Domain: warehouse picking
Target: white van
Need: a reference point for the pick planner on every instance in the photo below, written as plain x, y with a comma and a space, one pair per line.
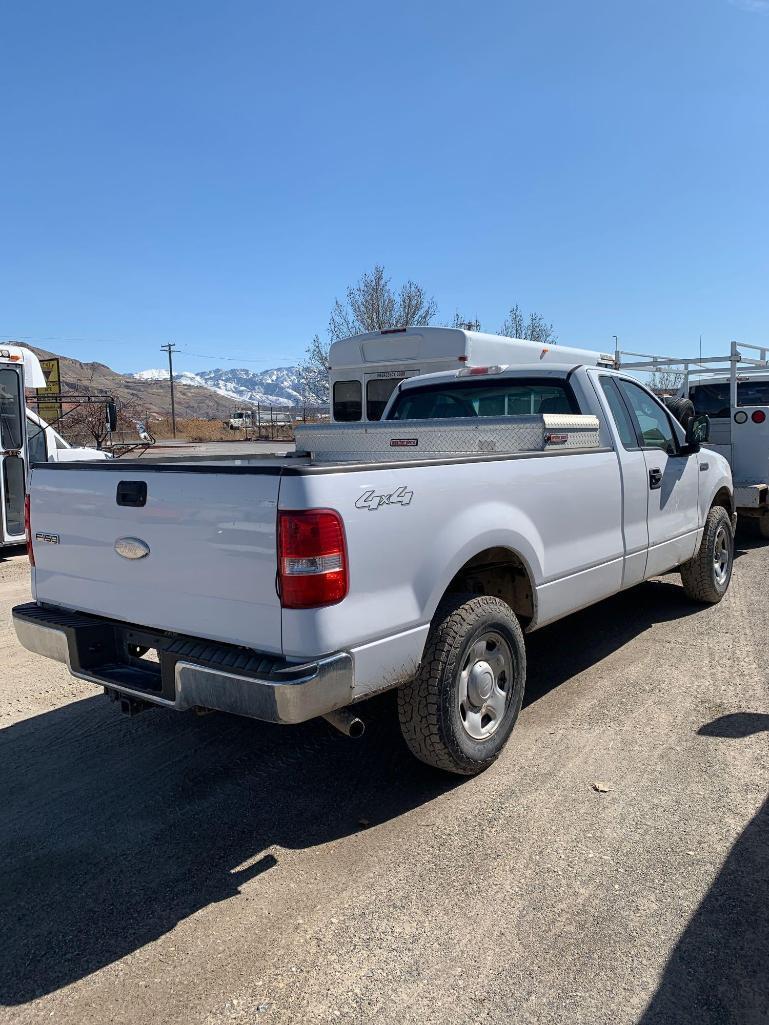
364, 370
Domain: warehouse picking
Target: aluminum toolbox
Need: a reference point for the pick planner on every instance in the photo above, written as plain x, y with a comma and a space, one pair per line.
424, 439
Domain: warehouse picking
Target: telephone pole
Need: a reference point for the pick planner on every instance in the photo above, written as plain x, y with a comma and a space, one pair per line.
171, 349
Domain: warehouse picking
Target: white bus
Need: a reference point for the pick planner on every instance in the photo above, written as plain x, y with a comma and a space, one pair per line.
365, 370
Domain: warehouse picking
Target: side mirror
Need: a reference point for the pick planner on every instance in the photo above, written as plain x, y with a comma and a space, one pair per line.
697, 433
111, 415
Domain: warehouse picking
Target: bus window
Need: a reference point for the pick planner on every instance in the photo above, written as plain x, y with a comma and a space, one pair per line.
348, 401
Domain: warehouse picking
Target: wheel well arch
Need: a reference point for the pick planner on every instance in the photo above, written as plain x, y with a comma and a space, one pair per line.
501, 572
725, 499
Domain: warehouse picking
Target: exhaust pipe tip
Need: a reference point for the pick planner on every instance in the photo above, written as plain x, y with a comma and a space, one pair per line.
346, 722
357, 728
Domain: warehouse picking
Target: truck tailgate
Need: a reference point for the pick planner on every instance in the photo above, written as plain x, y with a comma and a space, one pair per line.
211, 534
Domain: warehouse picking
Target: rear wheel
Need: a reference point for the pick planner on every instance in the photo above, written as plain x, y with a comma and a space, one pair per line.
706, 577
460, 709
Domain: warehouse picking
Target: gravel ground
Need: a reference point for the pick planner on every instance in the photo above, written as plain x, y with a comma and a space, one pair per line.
175, 869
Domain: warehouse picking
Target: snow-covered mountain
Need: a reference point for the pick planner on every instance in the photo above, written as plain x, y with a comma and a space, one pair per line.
279, 387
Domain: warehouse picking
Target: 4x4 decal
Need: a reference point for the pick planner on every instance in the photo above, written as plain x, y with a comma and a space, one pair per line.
372, 501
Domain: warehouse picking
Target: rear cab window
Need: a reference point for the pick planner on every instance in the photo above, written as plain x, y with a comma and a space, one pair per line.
712, 399
486, 397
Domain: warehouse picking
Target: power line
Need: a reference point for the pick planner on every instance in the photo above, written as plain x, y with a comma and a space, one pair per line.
232, 359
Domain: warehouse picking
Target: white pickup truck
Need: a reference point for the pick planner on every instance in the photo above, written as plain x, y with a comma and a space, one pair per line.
413, 553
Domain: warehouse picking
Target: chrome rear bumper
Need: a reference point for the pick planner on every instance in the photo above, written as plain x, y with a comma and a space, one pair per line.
190, 673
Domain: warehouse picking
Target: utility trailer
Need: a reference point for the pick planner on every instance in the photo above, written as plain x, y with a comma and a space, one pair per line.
733, 391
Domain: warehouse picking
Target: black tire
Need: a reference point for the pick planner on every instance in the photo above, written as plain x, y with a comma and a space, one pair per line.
762, 523
700, 577
681, 408
431, 717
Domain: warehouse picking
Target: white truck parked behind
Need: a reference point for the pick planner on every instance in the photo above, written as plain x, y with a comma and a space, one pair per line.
413, 553
733, 392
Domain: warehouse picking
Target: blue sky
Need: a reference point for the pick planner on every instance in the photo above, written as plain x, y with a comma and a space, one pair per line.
216, 173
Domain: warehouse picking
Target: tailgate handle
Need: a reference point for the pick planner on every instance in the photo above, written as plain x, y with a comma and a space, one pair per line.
132, 493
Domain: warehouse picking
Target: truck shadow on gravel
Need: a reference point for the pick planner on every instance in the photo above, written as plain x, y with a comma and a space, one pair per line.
718, 973
114, 830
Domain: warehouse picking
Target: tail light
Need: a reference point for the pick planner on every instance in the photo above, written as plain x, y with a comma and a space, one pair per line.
28, 531
758, 416
312, 558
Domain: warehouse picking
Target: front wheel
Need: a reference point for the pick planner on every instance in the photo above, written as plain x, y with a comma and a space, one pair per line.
706, 577
459, 710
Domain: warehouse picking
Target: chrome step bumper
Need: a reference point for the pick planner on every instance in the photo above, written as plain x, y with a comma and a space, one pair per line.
190, 673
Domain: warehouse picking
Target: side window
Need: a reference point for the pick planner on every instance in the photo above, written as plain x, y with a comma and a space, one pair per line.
753, 393
653, 421
619, 411
712, 399
348, 401
10, 410
36, 443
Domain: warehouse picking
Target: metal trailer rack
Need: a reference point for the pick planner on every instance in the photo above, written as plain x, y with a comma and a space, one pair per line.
743, 438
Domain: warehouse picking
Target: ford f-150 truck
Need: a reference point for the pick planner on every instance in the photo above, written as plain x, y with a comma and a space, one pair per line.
413, 553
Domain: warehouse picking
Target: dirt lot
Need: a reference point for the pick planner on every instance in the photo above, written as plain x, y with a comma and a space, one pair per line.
208, 870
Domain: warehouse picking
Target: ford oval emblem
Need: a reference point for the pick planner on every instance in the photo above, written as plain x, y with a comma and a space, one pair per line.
131, 548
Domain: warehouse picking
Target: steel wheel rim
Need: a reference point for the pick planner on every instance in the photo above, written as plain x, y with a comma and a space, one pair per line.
721, 556
485, 685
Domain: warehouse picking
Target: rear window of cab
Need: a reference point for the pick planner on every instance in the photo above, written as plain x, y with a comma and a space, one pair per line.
478, 398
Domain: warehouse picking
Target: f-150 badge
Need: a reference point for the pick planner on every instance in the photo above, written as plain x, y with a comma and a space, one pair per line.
372, 501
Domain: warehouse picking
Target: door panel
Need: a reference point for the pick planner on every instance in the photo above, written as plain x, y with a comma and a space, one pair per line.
673, 510
672, 481
13, 496
635, 488
12, 486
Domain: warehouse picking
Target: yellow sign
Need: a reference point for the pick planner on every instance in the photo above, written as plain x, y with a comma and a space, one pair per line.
49, 398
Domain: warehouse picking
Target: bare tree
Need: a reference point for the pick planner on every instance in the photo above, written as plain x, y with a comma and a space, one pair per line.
534, 327
465, 323
314, 372
86, 422
665, 379
369, 305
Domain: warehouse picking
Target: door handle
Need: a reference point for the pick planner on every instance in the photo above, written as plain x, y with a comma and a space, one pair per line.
655, 479
132, 493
